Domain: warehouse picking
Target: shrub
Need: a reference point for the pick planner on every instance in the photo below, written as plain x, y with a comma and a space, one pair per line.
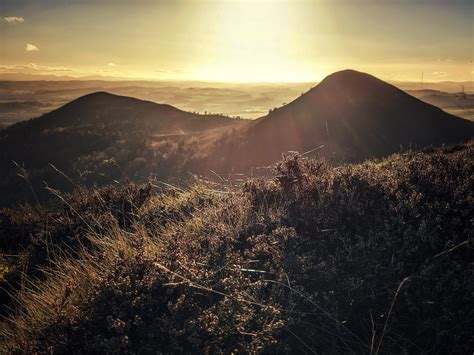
372, 258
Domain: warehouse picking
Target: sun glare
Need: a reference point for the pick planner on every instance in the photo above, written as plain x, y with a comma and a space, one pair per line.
252, 42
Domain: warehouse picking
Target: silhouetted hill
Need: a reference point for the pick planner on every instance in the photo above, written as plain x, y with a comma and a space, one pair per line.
99, 138
102, 108
354, 115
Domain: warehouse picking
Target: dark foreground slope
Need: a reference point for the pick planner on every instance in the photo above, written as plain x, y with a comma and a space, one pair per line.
369, 258
100, 138
354, 115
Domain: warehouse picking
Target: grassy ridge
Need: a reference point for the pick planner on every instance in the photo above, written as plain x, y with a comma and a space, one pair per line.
372, 257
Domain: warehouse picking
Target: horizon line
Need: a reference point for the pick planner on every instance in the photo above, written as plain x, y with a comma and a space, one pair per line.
124, 79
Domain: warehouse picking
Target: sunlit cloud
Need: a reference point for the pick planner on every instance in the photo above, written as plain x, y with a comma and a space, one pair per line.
34, 67
440, 73
112, 64
13, 20
31, 48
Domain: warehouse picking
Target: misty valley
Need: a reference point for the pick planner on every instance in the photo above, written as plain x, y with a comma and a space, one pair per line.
21, 100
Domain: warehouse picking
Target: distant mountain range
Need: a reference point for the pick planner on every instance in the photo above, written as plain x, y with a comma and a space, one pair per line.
446, 85
438, 98
100, 138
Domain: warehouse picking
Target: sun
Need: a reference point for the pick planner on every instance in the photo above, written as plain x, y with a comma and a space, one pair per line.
253, 42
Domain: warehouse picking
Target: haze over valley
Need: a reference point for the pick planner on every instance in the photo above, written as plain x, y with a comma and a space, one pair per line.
20, 100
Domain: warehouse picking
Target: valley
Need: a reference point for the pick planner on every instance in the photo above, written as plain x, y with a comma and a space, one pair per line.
21, 100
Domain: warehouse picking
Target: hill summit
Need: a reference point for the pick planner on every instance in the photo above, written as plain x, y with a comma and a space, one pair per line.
105, 108
99, 138
355, 116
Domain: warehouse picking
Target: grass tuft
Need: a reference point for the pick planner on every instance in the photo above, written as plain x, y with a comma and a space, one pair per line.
372, 258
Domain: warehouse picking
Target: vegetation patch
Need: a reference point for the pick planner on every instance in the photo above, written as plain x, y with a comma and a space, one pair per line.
374, 257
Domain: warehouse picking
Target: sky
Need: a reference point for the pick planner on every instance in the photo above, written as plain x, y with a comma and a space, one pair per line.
239, 41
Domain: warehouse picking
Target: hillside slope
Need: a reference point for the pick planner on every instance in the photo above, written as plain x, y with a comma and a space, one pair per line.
100, 138
102, 108
368, 258
355, 116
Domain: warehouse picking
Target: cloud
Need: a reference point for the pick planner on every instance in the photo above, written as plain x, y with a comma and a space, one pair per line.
440, 73
32, 67
13, 20
47, 68
31, 48
112, 64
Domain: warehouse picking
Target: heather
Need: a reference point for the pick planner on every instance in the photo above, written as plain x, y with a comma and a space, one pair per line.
371, 258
